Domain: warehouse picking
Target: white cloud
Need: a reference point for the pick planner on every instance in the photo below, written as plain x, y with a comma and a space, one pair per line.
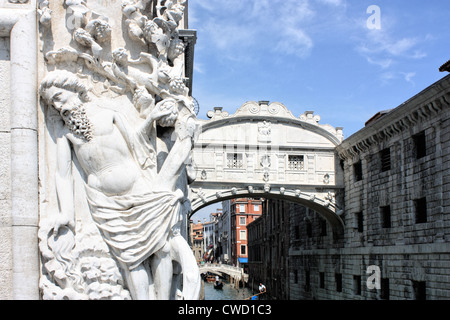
335, 3
384, 47
408, 76
383, 63
237, 28
295, 42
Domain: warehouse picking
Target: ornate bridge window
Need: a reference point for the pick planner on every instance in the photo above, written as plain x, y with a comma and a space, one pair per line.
234, 160
296, 162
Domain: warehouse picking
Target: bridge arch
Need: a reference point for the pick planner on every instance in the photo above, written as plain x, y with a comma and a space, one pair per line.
264, 151
326, 208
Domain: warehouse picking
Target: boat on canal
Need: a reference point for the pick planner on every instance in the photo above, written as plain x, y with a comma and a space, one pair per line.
218, 285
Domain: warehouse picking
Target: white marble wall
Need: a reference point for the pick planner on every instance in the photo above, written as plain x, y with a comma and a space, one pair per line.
5, 174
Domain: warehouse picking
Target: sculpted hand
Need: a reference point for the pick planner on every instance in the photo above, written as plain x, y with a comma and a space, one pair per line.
158, 113
62, 221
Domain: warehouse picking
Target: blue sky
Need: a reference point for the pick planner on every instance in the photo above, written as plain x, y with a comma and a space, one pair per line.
318, 55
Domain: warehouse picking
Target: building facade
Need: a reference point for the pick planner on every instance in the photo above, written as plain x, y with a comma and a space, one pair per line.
396, 240
268, 247
210, 237
223, 252
196, 237
242, 212
397, 222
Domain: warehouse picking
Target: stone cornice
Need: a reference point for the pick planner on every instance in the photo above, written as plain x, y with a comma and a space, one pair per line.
275, 111
428, 103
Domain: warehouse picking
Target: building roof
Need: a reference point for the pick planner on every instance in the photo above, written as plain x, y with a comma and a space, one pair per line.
427, 103
377, 116
445, 67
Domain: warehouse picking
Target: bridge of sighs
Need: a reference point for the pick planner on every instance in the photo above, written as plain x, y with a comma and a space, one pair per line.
263, 150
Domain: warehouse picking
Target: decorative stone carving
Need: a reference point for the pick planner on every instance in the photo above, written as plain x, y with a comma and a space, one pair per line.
264, 131
119, 130
45, 14
309, 116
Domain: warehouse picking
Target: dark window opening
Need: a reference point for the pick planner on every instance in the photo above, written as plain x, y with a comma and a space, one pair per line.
384, 294
357, 285
357, 169
307, 281
359, 221
338, 282
385, 157
309, 229
419, 290
322, 280
297, 232
386, 216
420, 146
323, 227
420, 206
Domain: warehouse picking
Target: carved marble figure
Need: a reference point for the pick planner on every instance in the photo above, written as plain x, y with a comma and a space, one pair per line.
123, 128
134, 208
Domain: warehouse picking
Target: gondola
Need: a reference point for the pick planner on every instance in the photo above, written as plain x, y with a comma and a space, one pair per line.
218, 285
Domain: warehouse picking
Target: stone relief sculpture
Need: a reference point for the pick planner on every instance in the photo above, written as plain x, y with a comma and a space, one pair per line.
120, 132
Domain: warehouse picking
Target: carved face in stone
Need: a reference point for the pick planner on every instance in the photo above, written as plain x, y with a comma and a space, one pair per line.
71, 108
100, 30
120, 55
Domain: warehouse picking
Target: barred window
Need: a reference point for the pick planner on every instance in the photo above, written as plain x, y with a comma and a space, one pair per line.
385, 157
296, 163
234, 160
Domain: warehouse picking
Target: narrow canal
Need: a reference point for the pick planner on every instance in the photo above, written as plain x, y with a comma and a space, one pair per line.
228, 292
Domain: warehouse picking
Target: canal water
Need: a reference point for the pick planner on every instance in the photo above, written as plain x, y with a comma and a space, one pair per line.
228, 292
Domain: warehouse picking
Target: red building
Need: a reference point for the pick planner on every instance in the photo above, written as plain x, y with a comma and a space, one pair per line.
243, 211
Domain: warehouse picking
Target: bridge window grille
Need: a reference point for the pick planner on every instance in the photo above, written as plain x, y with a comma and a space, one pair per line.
234, 160
296, 163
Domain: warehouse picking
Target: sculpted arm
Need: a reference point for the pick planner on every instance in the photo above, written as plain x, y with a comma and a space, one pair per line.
64, 184
177, 157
